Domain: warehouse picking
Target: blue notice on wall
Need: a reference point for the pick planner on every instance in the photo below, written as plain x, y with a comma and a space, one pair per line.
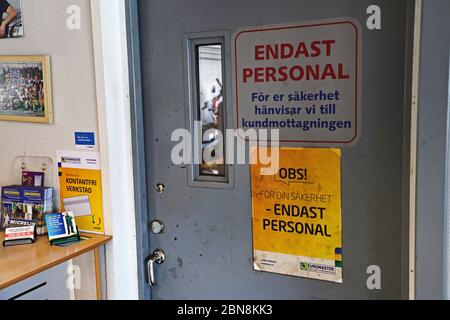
85, 140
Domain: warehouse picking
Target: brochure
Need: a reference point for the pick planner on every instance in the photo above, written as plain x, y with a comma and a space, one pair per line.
62, 228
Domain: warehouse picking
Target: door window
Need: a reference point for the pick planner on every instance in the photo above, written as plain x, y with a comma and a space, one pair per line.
207, 75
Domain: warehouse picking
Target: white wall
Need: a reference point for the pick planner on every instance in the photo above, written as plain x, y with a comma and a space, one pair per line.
90, 78
74, 81
74, 96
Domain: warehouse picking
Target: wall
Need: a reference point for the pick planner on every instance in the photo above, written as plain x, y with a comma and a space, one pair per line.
432, 265
74, 97
90, 93
74, 92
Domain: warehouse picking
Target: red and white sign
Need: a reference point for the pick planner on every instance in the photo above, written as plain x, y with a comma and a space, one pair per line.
303, 79
19, 233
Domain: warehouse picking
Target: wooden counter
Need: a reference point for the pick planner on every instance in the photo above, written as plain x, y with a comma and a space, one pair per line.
18, 263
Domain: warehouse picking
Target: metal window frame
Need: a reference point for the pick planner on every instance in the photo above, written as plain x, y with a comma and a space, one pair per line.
190, 43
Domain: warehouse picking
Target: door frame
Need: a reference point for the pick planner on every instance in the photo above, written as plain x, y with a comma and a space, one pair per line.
432, 224
138, 146
110, 49
414, 185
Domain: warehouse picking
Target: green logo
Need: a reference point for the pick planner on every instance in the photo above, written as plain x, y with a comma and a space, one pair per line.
304, 266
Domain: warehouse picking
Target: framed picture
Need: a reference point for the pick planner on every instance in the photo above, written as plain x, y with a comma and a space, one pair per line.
25, 89
11, 24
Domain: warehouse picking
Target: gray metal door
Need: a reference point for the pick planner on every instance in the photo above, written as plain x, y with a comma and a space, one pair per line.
208, 234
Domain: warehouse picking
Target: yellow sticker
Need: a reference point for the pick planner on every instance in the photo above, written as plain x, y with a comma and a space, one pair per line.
80, 183
297, 214
81, 193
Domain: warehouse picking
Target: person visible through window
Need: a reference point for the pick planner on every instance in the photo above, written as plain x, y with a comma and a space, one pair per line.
11, 13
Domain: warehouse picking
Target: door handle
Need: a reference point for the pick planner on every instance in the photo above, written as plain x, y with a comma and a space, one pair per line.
158, 257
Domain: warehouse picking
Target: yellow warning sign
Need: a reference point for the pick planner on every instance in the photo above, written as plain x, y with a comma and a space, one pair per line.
297, 214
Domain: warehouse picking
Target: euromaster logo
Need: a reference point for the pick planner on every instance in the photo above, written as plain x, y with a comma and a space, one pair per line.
71, 160
315, 267
304, 266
